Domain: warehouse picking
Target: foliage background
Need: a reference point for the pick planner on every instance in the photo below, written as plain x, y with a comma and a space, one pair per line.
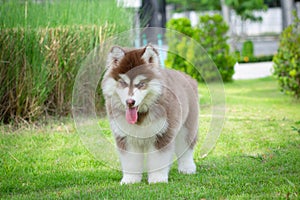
243, 8
41, 47
211, 35
287, 60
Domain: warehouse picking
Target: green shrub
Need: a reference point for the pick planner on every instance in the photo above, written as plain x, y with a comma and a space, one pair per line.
287, 60
178, 45
247, 50
263, 58
182, 25
211, 34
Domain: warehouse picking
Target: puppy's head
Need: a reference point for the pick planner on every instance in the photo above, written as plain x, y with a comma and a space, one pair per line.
133, 77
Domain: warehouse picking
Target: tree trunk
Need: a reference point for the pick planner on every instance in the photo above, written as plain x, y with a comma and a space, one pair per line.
226, 17
225, 12
287, 7
162, 8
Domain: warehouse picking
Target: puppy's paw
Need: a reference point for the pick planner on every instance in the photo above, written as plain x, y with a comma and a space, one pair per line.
157, 178
131, 178
187, 168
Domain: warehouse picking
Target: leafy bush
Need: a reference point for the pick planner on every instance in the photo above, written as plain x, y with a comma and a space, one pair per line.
262, 58
179, 45
182, 25
287, 60
247, 50
210, 32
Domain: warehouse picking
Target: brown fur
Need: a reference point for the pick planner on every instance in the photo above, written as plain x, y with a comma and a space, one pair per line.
143, 69
131, 59
121, 142
188, 111
141, 117
162, 141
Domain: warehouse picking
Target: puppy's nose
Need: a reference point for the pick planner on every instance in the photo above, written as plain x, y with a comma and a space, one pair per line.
130, 102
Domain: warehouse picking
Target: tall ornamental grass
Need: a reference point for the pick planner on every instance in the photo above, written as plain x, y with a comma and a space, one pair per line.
41, 47
56, 13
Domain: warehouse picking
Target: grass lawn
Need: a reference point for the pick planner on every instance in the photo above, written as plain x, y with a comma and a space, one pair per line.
256, 157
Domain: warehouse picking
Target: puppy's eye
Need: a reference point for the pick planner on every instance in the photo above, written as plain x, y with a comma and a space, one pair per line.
140, 85
122, 83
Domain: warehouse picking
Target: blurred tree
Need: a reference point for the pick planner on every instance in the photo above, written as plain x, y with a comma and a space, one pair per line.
272, 3
187, 5
245, 8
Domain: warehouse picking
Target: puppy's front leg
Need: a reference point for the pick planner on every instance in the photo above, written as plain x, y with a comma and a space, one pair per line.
132, 166
159, 164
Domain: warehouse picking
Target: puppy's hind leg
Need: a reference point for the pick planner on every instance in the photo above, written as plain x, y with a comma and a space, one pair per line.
184, 152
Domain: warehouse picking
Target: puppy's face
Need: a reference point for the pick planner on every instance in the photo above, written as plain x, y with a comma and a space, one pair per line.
134, 77
132, 90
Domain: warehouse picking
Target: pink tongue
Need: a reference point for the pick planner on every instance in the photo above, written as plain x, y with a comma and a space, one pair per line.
131, 115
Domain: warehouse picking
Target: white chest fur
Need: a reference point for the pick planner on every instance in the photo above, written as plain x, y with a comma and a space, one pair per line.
148, 129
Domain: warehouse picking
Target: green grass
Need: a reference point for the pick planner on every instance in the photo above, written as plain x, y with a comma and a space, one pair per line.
257, 157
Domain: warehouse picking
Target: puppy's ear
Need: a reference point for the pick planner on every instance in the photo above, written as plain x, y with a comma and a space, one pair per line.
116, 54
151, 55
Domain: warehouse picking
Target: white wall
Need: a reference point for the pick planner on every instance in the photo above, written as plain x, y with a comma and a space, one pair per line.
271, 23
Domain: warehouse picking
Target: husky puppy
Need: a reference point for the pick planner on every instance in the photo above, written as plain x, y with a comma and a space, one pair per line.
153, 114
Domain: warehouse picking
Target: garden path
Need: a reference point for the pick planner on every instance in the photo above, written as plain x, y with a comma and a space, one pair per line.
252, 70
